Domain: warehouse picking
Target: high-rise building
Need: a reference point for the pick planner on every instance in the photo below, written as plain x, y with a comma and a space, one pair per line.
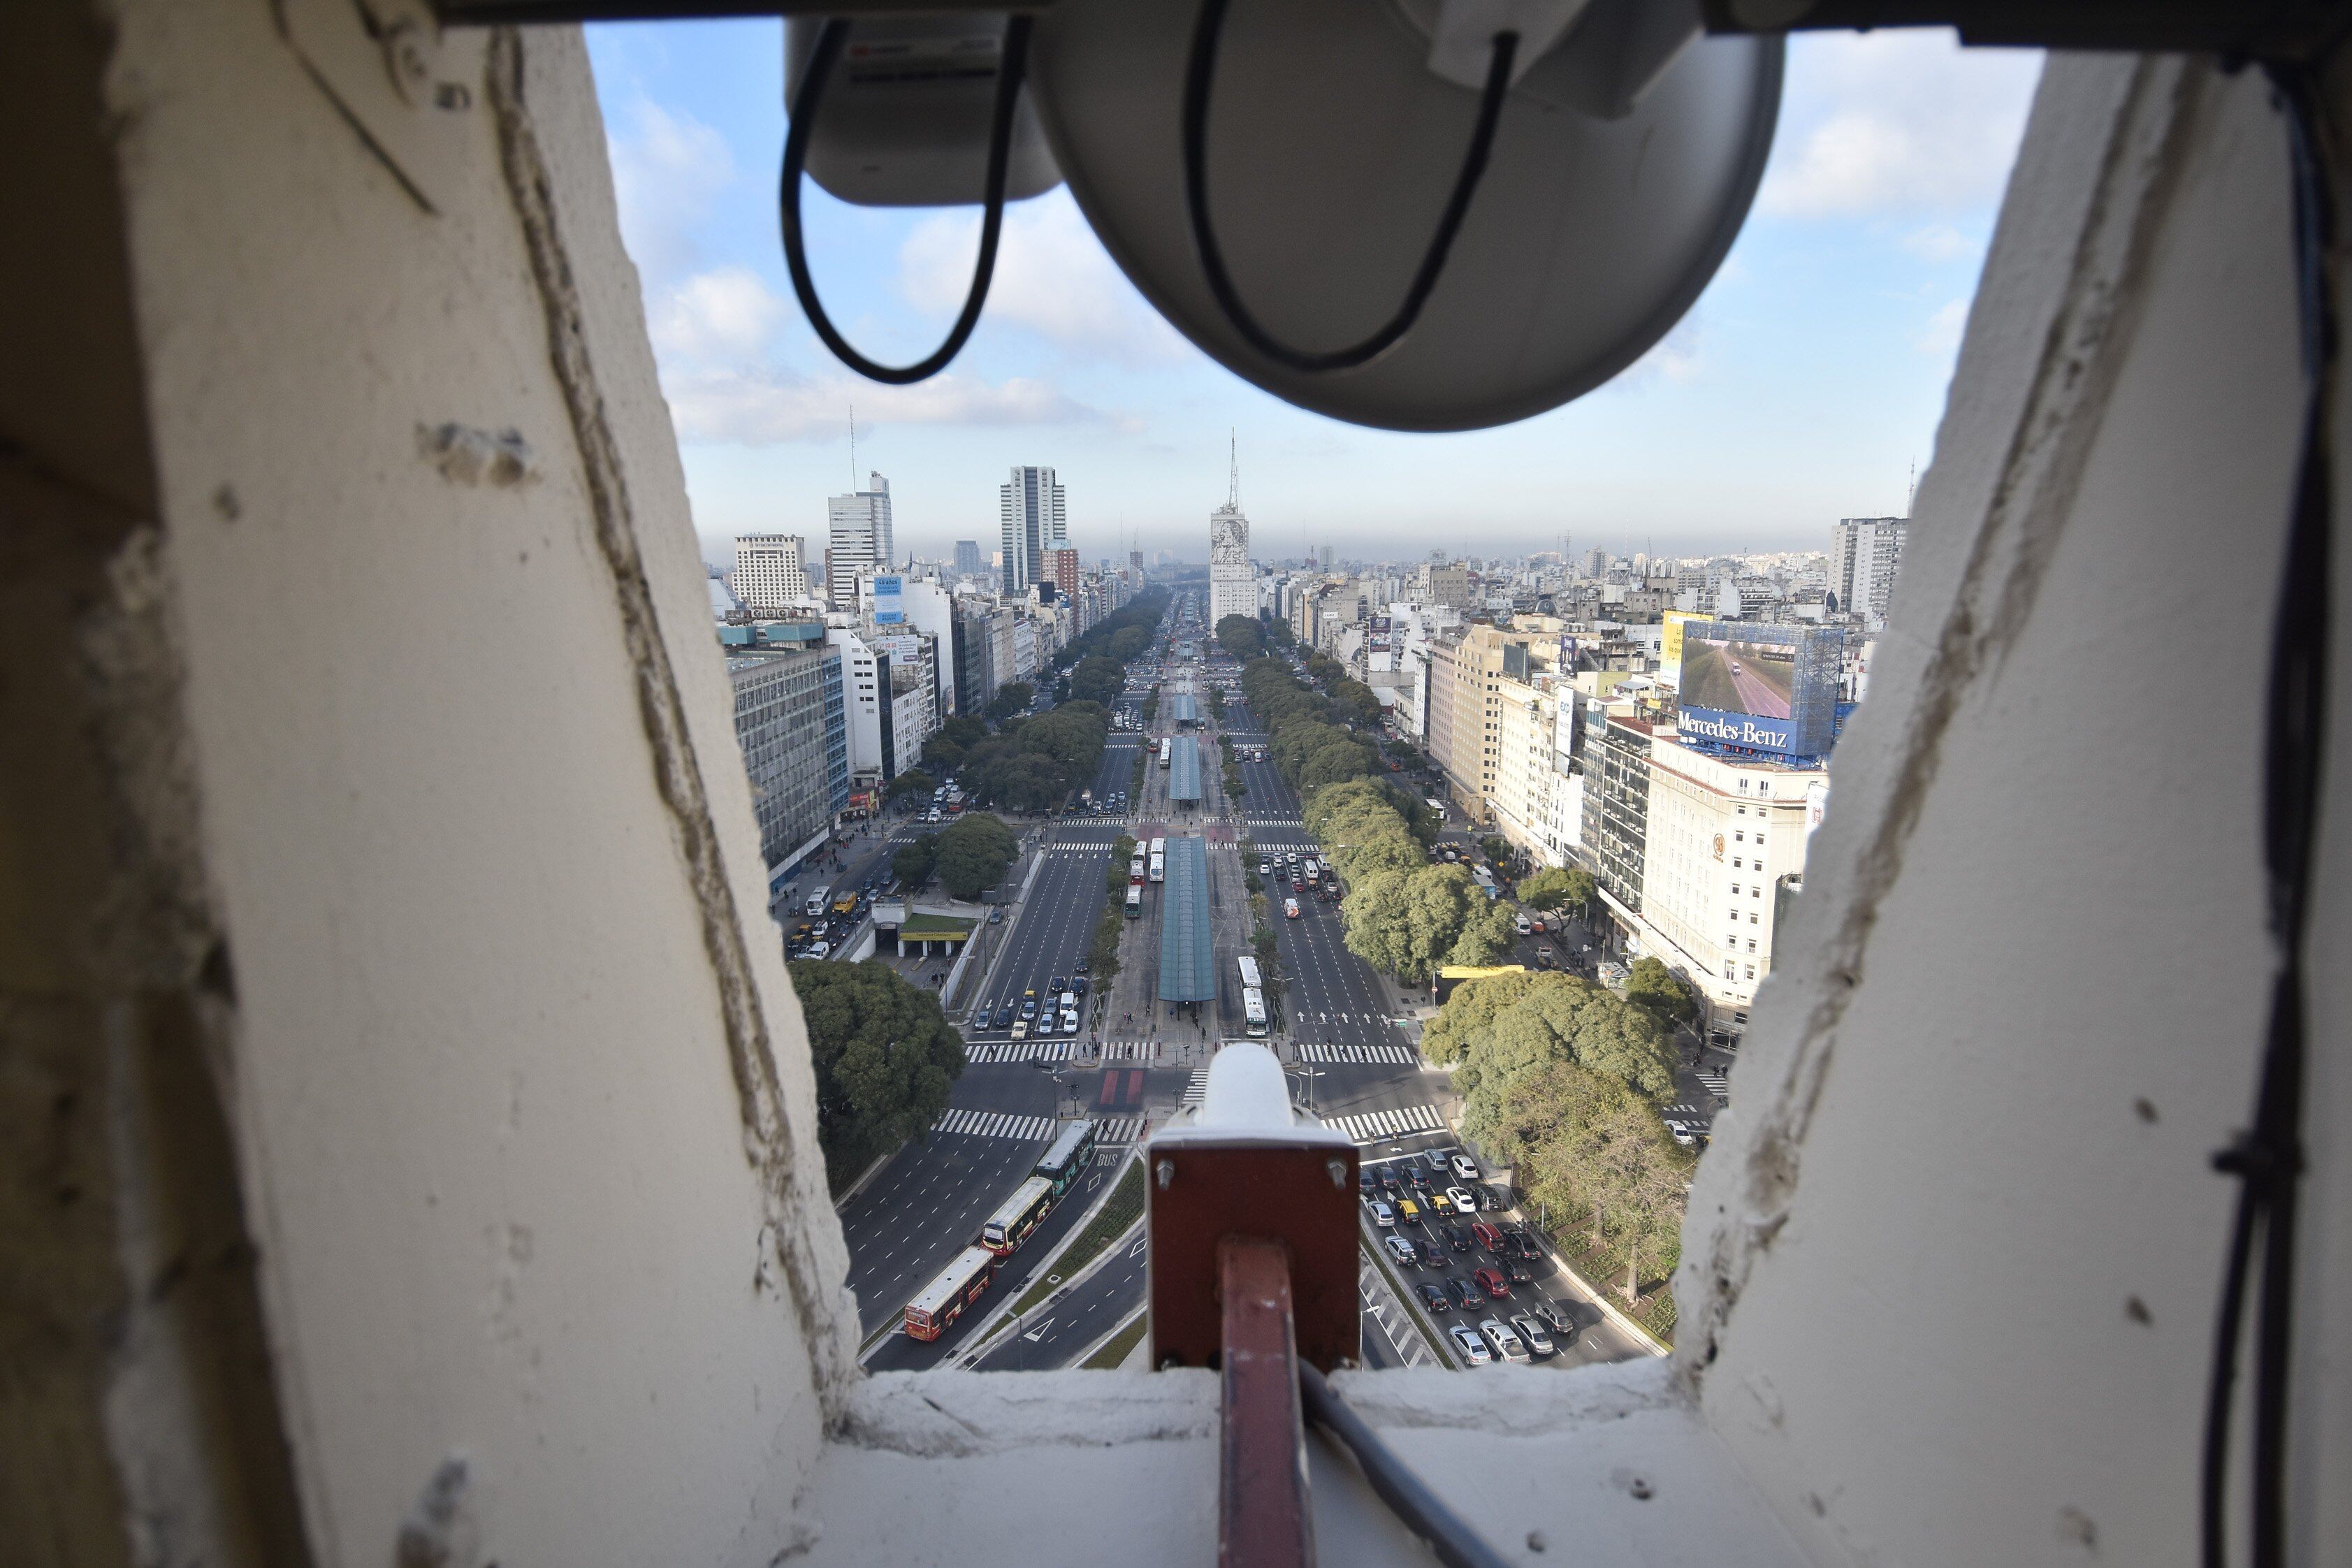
1596, 563
1030, 511
770, 573
967, 558
780, 725
1231, 588
1060, 567
860, 533
1864, 555
1329, 557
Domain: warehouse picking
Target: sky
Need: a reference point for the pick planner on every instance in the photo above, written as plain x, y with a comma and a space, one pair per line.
1801, 387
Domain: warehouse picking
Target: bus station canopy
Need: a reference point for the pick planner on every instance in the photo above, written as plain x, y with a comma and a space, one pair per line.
1188, 960
1184, 771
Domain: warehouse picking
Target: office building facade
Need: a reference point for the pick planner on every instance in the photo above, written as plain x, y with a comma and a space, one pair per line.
1864, 553
859, 542
770, 575
1031, 514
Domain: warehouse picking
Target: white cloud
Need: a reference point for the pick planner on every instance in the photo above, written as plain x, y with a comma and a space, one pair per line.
668, 169
767, 406
728, 314
1052, 277
1675, 359
1942, 336
1901, 120
1936, 242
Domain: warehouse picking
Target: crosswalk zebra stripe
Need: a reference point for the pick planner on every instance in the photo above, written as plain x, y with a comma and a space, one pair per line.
1374, 1126
1361, 1055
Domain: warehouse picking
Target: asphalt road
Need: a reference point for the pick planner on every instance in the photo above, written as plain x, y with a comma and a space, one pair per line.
928, 1202
1058, 1329
1055, 922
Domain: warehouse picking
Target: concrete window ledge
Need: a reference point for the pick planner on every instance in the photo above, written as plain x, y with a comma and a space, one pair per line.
1604, 1465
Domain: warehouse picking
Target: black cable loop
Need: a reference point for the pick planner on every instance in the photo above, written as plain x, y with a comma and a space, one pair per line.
2267, 1159
1012, 66
1200, 72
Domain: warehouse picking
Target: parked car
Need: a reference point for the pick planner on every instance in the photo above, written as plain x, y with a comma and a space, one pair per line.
1538, 1338
1473, 1349
1506, 1344
1491, 1281
1465, 1167
1402, 1251
996, 916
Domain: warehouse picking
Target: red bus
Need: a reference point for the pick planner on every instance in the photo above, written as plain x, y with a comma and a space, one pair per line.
959, 1284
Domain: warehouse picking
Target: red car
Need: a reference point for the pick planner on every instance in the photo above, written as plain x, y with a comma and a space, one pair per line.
1491, 1281
1488, 1237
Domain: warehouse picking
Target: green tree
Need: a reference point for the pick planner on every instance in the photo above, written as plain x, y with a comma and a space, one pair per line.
1488, 936
1496, 848
1651, 985
1242, 637
1589, 1152
1128, 642
886, 1059
1510, 1024
913, 781
1097, 679
974, 853
1557, 887
1011, 698
912, 863
1122, 852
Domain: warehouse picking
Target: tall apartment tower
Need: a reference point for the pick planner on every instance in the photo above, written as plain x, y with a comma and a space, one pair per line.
770, 573
1864, 555
1231, 589
1030, 509
860, 534
967, 562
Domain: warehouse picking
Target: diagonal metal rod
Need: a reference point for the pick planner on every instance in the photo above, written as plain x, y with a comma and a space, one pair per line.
1262, 1518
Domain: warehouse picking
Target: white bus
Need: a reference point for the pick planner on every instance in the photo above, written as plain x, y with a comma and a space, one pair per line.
1253, 997
1017, 1216
1160, 860
958, 1285
1137, 865
1134, 901
1167, 750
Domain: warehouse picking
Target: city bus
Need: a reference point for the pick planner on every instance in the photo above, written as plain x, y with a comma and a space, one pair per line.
1072, 1151
1017, 1216
1160, 860
1253, 998
1167, 750
1136, 866
958, 1285
1134, 901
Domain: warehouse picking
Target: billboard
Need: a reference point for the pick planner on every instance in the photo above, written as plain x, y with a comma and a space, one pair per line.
1670, 645
890, 600
1381, 637
1761, 688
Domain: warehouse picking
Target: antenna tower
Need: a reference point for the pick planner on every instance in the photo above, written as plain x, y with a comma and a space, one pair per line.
1233, 469
853, 449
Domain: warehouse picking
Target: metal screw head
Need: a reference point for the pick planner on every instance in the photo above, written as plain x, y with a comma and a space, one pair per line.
1338, 1169
1167, 1173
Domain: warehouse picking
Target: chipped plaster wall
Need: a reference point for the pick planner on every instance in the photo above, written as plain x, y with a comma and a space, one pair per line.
517, 1088
1951, 1266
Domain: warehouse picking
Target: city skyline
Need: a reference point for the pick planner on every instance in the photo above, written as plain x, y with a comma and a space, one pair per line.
1801, 388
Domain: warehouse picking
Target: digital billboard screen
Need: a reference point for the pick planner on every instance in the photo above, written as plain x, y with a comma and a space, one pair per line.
890, 601
1381, 637
1766, 688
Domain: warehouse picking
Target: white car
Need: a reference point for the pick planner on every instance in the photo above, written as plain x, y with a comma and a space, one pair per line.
1382, 1216
1473, 1349
1462, 1200
1538, 1338
1402, 1251
1681, 1132
1020, 1028
1506, 1344
1465, 1167
1523, 925
1069, 1023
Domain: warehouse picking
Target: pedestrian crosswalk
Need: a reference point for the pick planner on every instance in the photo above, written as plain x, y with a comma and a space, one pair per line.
1403, 1121
1120, 1129
1717, 1084
1198, 1089
1020, 1051
995, 1124
1400, 1056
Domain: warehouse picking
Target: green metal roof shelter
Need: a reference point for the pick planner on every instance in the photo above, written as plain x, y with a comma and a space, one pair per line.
1188, 960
